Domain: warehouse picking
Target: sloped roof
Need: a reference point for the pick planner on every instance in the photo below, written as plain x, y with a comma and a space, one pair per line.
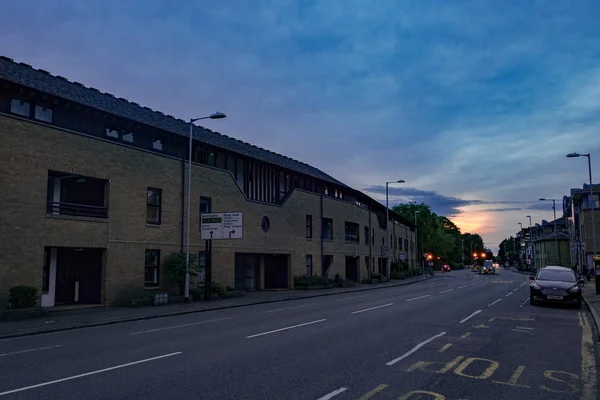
43, 81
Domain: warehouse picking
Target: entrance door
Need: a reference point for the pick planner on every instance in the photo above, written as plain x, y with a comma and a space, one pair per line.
247, 271
352, 268
79, 276
276, 272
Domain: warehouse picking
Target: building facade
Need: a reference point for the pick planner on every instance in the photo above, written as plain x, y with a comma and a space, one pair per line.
580, 210
94, 192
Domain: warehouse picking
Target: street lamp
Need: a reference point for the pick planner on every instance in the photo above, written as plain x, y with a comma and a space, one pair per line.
521, 232
217, 115
557, 257
531, 241
387, 222
418, 255
593, 208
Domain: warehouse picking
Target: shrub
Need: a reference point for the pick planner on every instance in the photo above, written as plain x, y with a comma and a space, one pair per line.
218, 289
23, 297
398, 275
399, 265
174, 267
312, 280
366, 281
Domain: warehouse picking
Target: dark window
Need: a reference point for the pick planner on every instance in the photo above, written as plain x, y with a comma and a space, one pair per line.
406, 244
128, 137
157, 144
76, 195
309, 265
366, 235
151, 268
205, 204
309, 226
400, 244
556, 275
367, 263
43, 114
20, 107
46, 271
154, 206
327, 229
265, 224
412, 246
111, 133
351, 231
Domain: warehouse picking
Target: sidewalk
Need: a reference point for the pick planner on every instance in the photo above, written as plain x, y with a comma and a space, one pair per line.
592, 300
77, 319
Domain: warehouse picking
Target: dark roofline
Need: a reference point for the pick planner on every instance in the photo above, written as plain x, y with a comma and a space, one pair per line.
41, 80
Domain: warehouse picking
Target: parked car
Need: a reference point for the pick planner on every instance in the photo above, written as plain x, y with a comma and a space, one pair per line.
555, 285
446, 268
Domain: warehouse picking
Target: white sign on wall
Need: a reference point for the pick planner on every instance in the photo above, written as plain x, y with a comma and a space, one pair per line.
225, 225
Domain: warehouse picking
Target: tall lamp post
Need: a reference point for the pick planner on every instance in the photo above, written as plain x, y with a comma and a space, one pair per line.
387, 222
217, 115
521, 232
593, 208
531, 242
418, 255
557, 256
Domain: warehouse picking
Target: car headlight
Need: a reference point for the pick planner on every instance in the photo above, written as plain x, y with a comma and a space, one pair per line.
535, 286
574, 289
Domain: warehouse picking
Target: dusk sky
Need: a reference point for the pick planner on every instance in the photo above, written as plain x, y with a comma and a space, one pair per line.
474, 103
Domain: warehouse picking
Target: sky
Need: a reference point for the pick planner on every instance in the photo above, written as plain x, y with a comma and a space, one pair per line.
473, 103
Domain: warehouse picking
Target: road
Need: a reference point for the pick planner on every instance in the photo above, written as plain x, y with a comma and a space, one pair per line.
457, 337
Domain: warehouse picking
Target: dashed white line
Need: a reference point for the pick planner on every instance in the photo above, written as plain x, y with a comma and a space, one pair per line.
372, 308
333, 394
30, 350
460, 287
290, 308
414, 349
523, 303
446, 291
469, 317
87, 374
491, 304
178, 326
285, 329
420, 297
352, 298
509, 294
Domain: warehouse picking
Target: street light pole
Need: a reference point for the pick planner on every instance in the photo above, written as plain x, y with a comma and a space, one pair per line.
217, 115
387, 223
521, 232
593, 208
418, 254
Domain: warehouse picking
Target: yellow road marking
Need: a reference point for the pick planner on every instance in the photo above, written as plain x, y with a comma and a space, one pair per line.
426, 366
435, 396
493, 365
580, 319
588, 362
465, 335
511, 319
514, 378
480, 326
444, 347
373, 392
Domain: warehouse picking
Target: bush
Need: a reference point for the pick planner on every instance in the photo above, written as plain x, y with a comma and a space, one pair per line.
366, 281
312, 280
342, 283
398, 275
218, 289
399, 265
174, 267
23, 297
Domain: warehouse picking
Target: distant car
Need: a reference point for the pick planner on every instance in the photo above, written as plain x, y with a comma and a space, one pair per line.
488, 268
446, 268
555, 285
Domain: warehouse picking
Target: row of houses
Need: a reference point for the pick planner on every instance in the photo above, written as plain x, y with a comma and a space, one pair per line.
94, 194
569, 239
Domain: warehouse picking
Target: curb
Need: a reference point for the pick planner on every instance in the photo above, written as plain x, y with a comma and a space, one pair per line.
593, 311
185, 312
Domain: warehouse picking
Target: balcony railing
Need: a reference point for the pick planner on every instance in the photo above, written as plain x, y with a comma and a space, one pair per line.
77, 210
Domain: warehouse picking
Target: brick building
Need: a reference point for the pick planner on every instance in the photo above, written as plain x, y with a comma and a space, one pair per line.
93, 190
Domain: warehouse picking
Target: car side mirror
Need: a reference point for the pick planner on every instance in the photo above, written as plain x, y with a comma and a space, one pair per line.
532, 278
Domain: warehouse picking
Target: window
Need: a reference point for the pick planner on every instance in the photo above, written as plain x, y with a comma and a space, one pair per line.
201, 268
46, 271
308, 226
111, 133
43, 114
406, 244
128, 137
351, 231
309, 265
157, 144
20, 107
327, 229
265, 224
400, 244
366, 235
151, 268
205, 205
412, 246
367, 263
153, 206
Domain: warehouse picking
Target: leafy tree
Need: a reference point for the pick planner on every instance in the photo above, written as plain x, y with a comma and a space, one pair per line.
174, 267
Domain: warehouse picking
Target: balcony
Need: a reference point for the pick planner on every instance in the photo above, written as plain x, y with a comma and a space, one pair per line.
76, 196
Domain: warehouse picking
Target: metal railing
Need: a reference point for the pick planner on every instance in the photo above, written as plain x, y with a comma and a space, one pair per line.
77, 210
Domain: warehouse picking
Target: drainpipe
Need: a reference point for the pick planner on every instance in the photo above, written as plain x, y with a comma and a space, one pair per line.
321, 232
182, 201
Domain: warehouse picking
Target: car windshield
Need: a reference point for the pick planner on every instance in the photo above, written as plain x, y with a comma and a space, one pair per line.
554, 275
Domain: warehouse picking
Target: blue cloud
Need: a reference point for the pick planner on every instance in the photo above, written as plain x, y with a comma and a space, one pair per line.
470, 100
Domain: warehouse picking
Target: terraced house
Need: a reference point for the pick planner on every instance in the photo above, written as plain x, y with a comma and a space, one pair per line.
93, 200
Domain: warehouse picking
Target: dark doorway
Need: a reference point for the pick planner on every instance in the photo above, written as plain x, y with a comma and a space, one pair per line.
79, 276
247, 271
352, 268
327, 261
276, 271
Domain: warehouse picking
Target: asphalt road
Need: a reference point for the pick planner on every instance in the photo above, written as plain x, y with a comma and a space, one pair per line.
457, 337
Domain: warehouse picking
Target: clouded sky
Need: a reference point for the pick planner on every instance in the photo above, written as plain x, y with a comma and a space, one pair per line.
473, 103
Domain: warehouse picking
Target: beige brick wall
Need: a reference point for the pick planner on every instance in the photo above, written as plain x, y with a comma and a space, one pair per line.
29, 150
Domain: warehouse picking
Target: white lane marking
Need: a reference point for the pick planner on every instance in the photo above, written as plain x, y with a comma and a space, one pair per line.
178, 326
509, 294
469, 317
333, 394
446, 291
460, 287
290, 308
420, 297
414, 349
87, 374
527, 328
491, 304
285, 329
30, 350
523, 303
519, 330
352, 298
372, 308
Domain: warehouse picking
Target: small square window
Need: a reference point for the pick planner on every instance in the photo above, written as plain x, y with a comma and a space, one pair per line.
157, 144
43, 114
128, 137
111, 133
20, 107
